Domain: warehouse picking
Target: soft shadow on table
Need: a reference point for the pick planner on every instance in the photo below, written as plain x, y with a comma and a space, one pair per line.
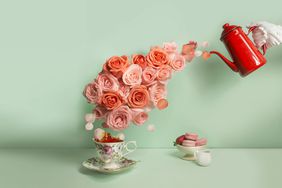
174, 153
57, 158
100, 176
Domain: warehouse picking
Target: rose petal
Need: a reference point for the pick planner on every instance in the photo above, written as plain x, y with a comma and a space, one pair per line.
162, 104
89, 126
198, 53
205, 44
120, 136
99, 134
151, 128
89, 118
206, 55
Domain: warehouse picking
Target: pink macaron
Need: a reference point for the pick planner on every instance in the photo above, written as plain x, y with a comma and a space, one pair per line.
201, 142
191, 136
189, 143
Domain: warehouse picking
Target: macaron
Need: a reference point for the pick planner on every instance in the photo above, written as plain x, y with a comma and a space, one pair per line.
189, 143
201, 142
191, 136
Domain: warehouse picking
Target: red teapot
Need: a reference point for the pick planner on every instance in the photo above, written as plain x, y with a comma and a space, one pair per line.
246, 57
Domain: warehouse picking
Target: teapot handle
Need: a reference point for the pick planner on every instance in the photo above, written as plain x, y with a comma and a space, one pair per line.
249, 31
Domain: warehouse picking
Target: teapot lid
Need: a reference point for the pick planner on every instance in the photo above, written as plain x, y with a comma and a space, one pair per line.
227, 29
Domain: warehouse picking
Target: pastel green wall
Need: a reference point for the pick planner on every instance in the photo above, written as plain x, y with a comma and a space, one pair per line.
50, 49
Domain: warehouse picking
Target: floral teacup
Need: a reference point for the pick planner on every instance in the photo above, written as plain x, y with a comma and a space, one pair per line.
111, 152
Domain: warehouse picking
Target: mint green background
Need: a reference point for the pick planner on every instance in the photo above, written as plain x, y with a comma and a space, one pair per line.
50, 49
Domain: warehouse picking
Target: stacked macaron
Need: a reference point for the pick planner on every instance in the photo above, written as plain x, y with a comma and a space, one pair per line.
190, 140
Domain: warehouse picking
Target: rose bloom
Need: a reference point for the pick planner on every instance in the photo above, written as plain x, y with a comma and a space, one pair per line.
100, 112
157, 91
157, 58
111, 100
178, 63
119, 118
92, 93
164, 73
170, 47
139, 116
149, 75
123, 90
138, 97
116, 65
188, 50
132, 75
107, 82
140, 60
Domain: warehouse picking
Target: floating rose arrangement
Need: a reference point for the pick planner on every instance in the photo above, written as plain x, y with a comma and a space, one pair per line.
128, 88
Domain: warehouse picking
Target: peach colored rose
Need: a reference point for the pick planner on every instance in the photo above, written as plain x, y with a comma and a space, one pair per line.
116, 65
157, 58
111, 100
138, 97
107, 82
164, 73
92, 93
157, 91
140, 60
170, 47
119, 118
100, 112
178, 63
139, 116
149, 75
132, 75
188, 50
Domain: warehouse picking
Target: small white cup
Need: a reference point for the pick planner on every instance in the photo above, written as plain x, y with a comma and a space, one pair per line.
203, 157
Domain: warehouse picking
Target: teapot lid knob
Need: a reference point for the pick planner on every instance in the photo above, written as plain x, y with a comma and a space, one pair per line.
227, 29
225, 26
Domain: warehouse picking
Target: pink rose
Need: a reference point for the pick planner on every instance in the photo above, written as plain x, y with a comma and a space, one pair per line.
139, 60
178, 63
116, 65
107, 82
132, 75
111, 100
138, 97
170, 47
149, 75
100, 112
119, 118
157, 91
188, 50
123, 90
164, 73
92, 93
157, 57
139, 116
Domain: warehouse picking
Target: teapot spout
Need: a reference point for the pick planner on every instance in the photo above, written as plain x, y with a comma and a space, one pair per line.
228, 62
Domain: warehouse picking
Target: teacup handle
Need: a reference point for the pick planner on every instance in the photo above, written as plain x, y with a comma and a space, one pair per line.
129, 150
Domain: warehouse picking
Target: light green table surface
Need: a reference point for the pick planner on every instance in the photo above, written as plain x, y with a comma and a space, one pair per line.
246, 168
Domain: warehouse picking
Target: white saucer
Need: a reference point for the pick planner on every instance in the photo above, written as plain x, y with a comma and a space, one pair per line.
96, 164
